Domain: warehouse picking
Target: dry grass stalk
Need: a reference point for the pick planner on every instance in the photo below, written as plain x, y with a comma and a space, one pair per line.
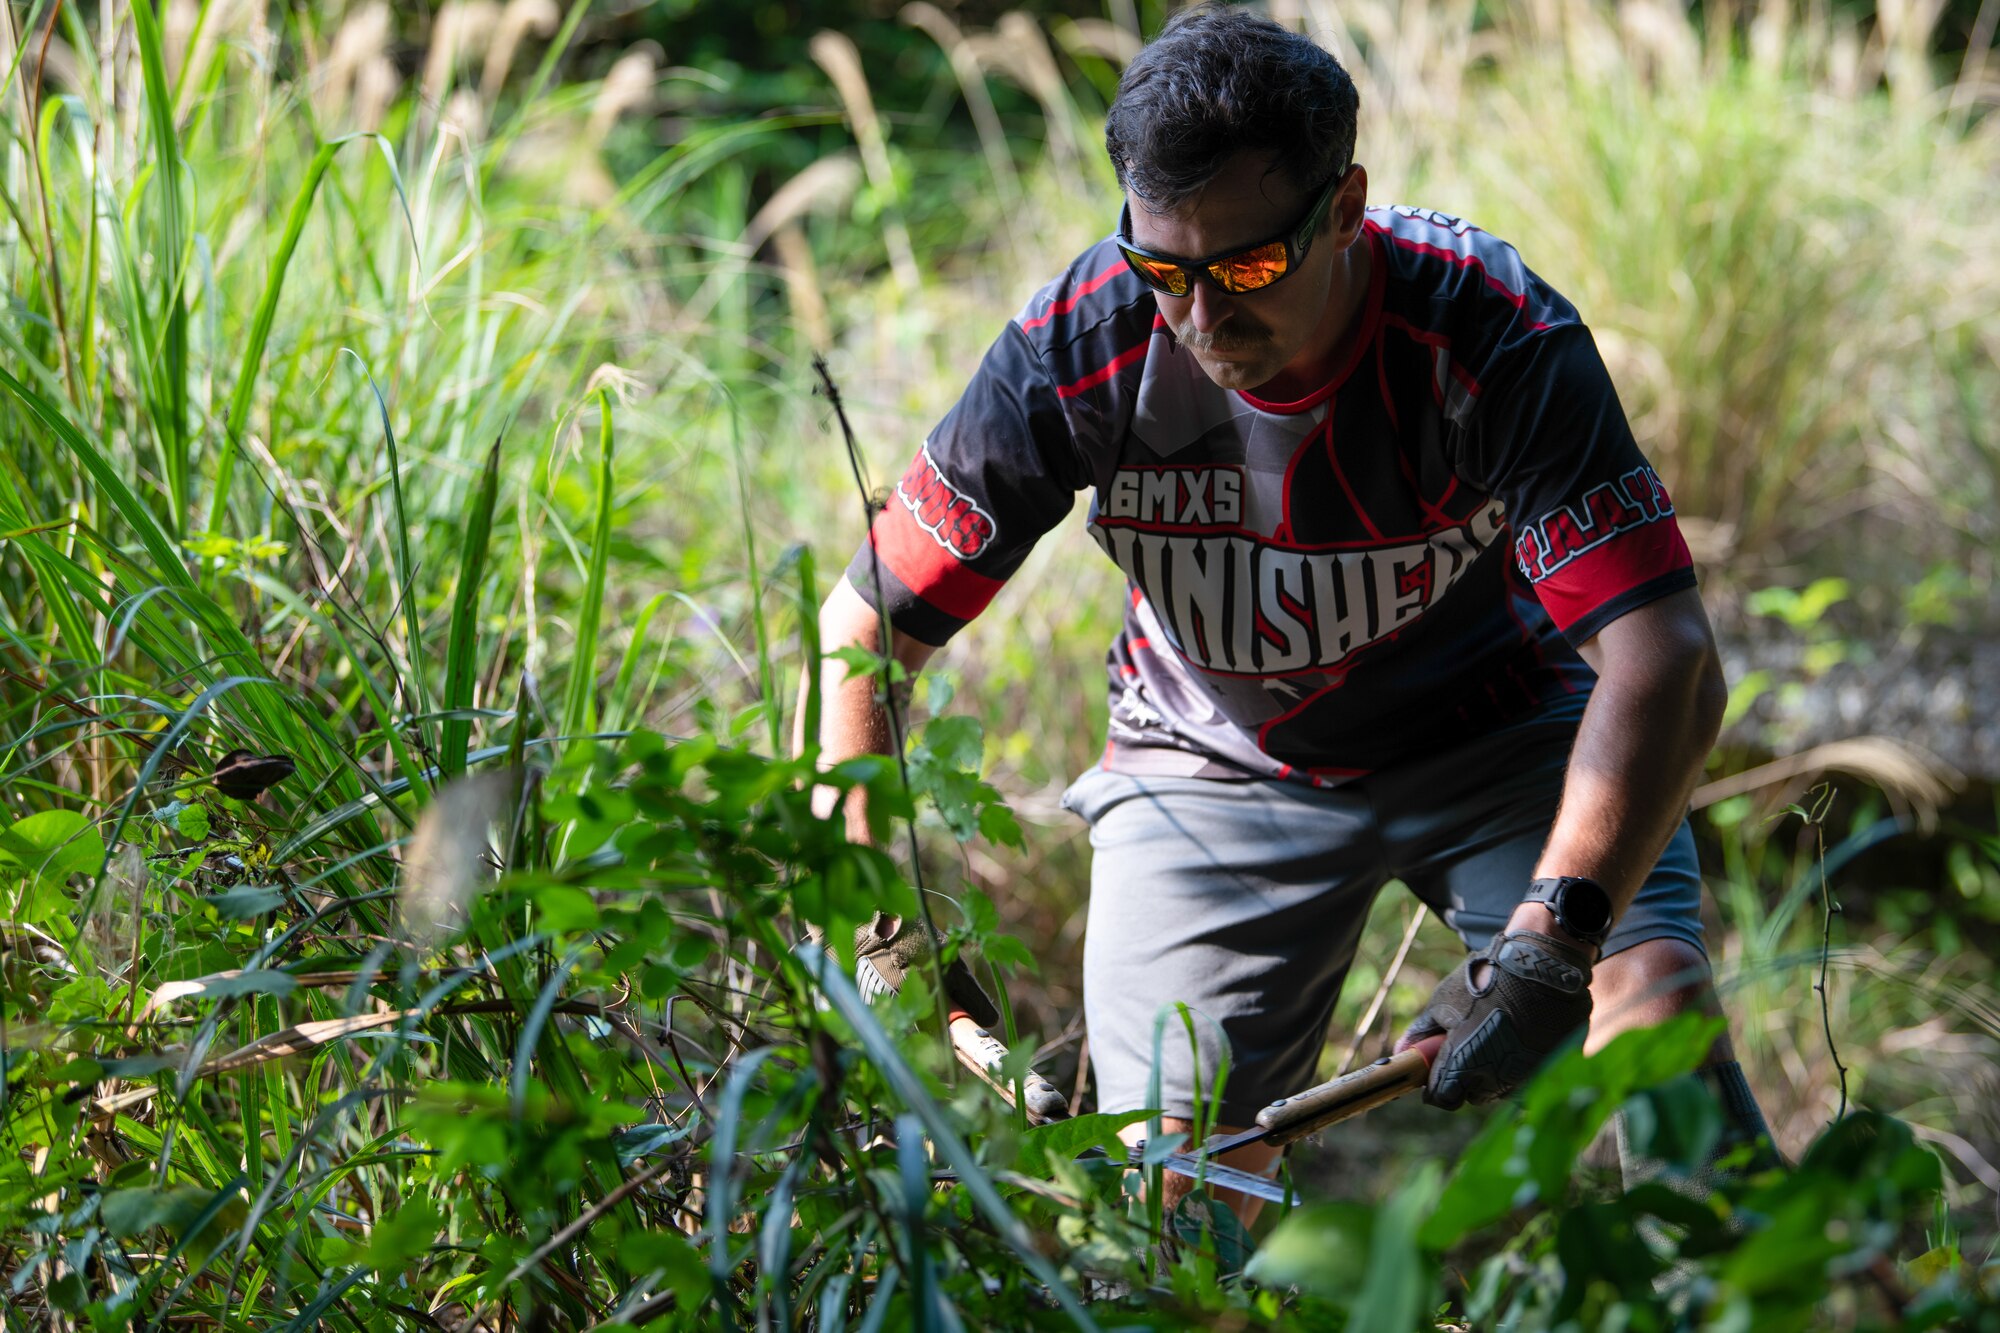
802, 286
224, 19
978, 98
826, 184
464, 115
176, 27
520, 19
460, 32
628, 86
1017, 49
1913, 779
1101, 38
358, 72
835, 53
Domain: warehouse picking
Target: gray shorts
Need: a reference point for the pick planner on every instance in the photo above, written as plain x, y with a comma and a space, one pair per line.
1245, 900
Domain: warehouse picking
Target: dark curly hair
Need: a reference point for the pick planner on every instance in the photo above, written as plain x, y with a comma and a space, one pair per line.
1218, 80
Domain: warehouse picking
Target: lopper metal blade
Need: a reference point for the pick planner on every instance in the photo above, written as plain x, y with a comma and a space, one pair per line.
1218, 1176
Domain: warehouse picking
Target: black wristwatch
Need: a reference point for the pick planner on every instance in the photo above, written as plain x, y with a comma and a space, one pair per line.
1581, 906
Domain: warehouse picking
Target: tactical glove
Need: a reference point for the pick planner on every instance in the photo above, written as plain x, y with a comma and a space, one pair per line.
1532, 994
889, 948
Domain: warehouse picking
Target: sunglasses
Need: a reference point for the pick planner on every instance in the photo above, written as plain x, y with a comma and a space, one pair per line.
1246, 270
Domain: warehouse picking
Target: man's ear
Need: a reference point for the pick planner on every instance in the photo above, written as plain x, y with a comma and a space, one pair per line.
1350, 208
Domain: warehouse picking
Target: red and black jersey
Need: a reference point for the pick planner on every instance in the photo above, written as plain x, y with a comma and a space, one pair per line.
1400, 560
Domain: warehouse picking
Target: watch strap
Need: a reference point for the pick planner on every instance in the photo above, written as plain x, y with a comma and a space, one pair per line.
1581, 906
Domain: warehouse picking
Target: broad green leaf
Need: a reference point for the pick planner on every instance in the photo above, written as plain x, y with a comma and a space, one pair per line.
997, 824
642, 1253
1528, 1149
402, 1235
1065, 1139
240, 904
563, 909
55, 844
191, 822
50, 846
1365, 1259
177, 1208
224, 985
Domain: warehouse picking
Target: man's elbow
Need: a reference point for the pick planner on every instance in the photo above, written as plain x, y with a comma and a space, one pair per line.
1663, 656
1690, 670
1711, 695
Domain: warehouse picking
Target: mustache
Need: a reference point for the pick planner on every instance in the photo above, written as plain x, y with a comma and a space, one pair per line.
1228, 340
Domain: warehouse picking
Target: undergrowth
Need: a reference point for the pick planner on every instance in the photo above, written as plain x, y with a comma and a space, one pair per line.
393, 438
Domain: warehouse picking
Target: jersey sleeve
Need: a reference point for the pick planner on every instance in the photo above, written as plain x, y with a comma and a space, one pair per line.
1594, 530
1000, 470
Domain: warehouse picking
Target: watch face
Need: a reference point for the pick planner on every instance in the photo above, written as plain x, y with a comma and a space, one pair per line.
1584, 906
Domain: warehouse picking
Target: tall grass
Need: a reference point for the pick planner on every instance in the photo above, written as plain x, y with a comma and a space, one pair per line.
387, 428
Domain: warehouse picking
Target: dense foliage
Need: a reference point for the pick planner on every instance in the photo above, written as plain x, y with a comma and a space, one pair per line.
439, 431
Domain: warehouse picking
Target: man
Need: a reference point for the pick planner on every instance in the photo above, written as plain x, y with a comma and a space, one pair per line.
1405, 602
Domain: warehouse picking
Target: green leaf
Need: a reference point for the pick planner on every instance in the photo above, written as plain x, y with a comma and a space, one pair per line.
1007, 951
1067, 1139
191, 822
1528, 1149
55, 844
982, 917
241, 904
130, 1212
580, 705
862, 662
1365, 1259
461, 662
997, 824
564, 909
1677, 1123
1600, 1242
258, 981
957, 741
642, 1253
402, 1235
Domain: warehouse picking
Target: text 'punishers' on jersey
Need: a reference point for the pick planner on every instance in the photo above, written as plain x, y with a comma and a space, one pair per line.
1400, 560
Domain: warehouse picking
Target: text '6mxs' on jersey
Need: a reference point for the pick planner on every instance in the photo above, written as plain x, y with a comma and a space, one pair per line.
1398, 561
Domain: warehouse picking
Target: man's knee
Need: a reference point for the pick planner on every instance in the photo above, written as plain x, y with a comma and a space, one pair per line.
1257, 1158
1647, 984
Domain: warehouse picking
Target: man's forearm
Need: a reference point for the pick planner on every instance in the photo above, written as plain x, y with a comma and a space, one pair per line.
1639, 751
853, 720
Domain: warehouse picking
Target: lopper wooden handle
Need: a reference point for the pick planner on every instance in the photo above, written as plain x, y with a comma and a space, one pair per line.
981, 1052
1391, 1077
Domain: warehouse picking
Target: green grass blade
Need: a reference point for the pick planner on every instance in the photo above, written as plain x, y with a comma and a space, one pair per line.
460, 663
406, 571
260, 326
847, 1002
579, 707
267, 306
157, 541
168, 168
619, 703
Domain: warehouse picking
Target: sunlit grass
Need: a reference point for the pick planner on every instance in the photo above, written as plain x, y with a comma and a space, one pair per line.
384, 427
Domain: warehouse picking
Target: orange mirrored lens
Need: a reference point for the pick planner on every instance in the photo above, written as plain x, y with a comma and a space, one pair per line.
1251, 269
1167, 277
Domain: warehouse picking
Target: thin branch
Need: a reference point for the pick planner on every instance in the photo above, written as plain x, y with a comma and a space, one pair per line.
891, 702
1816, 821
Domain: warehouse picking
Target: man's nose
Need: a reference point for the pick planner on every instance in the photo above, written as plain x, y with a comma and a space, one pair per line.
1208, 308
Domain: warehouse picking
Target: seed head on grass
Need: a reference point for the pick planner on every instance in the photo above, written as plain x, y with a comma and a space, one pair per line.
449, 857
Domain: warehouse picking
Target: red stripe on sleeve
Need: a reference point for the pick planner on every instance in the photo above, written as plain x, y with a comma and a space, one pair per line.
927, 568
1610, 570
1076, 294
1097, 377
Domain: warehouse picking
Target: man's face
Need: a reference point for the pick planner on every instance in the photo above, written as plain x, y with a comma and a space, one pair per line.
1245, 339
